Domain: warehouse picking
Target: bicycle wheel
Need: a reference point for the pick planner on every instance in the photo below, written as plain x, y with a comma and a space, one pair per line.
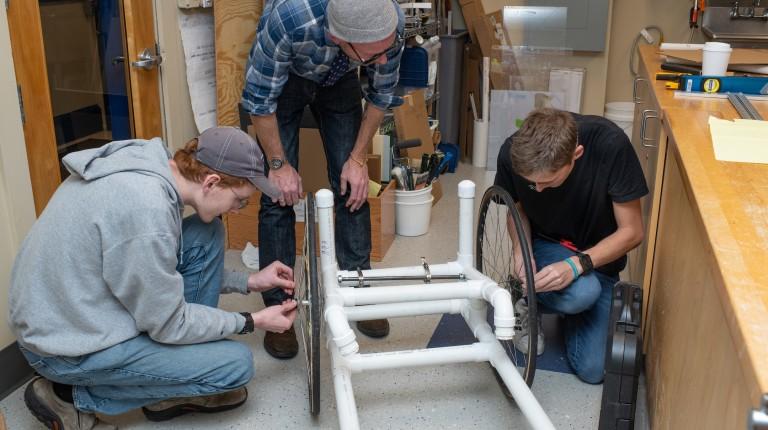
499, 229
308, 296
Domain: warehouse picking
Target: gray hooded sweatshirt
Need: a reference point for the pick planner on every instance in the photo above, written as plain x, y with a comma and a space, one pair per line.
99, 265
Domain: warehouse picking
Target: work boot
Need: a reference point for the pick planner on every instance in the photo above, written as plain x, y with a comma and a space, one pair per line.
281, 345
172, 408
521, 337
55, 413
374, 328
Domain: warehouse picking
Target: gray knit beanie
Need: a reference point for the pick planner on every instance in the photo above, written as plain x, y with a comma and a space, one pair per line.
361, 21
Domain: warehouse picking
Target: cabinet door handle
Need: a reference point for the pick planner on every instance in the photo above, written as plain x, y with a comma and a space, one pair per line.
647, 113
635, 95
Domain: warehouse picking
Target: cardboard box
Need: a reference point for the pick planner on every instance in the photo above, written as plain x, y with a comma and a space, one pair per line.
471, 9
471, 84
412, 122
313, 168
244, 226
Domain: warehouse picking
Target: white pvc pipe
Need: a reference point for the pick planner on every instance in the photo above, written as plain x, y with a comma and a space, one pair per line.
480, 143
501, 299
395, 310
486, 89
340, 331
412, 293
419, 357
509, 374
451, 268
345, 396
328, 266
466, 222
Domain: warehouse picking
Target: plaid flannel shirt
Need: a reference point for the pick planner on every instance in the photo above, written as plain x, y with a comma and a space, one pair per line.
292, 37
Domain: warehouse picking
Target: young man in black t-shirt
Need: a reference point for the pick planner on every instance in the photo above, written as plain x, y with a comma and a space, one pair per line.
577, 183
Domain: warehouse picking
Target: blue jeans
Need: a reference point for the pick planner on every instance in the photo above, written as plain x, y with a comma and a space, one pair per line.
338, 112
586, 305
140, 371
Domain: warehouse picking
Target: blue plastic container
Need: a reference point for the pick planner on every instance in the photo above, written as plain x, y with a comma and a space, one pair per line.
414, 67
451, 154
418, 66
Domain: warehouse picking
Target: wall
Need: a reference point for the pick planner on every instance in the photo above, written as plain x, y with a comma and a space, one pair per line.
629, 16
17, 212
179, 122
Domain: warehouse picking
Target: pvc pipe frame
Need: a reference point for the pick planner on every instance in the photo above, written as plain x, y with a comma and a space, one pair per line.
468, 298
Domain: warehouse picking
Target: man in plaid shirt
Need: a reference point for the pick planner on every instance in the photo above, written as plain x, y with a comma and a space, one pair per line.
307, 53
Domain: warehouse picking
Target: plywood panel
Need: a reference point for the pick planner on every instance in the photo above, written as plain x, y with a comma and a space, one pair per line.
144, 84
236, 22
31, 76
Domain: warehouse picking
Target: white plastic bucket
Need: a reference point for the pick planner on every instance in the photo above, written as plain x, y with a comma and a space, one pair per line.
622, 114
413, 211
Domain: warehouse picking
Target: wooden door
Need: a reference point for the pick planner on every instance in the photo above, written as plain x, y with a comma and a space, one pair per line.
67, 114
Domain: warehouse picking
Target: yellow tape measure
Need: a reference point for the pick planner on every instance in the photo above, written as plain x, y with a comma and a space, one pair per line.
711, 85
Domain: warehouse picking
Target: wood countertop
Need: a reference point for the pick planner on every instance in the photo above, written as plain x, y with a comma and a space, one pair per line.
731, 200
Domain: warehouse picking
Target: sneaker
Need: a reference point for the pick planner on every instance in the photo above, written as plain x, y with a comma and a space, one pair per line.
521, 337
55, 413
172, 408
374, 328
281, 345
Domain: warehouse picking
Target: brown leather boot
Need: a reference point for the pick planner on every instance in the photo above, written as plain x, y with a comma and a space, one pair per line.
55, 413
374, 328
172, 408
281, 345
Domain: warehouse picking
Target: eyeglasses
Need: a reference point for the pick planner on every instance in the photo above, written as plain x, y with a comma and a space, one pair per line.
242, 203
397, 45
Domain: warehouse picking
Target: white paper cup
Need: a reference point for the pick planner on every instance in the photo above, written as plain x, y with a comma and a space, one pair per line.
715, 58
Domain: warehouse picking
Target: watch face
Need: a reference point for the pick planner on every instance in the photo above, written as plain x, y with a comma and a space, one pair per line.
275, 163
586, 262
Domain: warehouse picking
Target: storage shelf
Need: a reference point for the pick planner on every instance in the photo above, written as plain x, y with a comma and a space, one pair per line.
429, 28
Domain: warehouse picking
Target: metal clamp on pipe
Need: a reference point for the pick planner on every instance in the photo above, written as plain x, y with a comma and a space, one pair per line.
427, 275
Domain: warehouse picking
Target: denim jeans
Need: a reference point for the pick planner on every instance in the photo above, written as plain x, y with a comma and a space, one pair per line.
140, 371
586, 306
338, 112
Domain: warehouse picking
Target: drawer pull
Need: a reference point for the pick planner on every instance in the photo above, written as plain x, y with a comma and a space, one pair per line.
648, 113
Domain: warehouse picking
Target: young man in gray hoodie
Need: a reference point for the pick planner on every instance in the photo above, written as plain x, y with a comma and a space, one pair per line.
114, 296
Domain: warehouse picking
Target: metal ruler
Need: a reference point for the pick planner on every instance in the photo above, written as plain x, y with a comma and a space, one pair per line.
743, 106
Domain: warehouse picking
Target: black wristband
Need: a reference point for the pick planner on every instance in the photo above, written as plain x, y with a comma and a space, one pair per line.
586, 263
248, 327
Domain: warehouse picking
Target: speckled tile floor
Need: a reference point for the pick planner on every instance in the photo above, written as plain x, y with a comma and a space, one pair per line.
464, 396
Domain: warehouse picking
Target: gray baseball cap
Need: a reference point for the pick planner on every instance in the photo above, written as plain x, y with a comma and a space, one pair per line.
232, 151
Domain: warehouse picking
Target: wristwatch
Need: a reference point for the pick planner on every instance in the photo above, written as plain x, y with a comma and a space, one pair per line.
586, 263
276, 163
248, 327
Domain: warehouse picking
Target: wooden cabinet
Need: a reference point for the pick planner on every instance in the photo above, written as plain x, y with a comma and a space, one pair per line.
704, 275
650, 142
694, 364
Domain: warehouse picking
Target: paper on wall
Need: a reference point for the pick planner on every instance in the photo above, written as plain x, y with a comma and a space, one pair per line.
742, 140
197, 38
508, 110
570, 82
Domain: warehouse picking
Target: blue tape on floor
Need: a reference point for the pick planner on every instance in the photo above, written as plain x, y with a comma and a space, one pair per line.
453, 330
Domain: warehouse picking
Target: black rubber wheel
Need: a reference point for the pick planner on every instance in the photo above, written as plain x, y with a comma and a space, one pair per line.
308, 296
499, 227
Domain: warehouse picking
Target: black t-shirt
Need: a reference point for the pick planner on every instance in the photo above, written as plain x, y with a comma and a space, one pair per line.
581, 209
